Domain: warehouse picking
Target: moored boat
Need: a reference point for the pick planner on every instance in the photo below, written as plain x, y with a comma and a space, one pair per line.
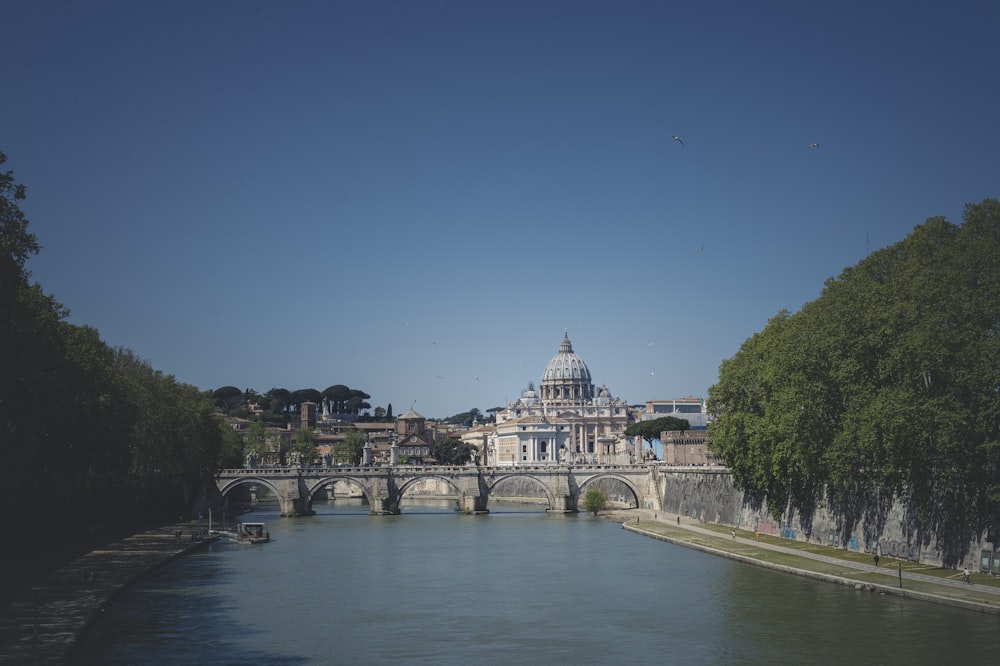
252, 533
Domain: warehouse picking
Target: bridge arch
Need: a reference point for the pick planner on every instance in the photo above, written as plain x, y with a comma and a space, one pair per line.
544, 487
225, 489
248, 480
416, 480
601, 479
323, 481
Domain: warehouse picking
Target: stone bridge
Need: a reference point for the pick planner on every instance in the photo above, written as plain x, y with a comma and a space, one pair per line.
384, 486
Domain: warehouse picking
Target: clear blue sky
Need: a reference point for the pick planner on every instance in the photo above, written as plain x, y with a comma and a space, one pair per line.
418, 198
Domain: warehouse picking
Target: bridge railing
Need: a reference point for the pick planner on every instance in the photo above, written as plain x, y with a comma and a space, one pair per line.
294, 470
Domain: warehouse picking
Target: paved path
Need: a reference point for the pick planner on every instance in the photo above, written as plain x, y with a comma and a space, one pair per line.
959, 591
42, 625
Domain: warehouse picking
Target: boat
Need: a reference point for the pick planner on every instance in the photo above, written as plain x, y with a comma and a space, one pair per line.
244, 533
252, 533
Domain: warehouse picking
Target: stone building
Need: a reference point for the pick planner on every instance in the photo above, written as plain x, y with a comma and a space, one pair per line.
565, 421
687, 447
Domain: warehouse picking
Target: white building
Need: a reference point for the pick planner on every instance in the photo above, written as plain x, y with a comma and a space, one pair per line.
692, 409
566, 421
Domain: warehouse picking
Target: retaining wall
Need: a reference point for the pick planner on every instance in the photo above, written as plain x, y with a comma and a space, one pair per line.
709, 495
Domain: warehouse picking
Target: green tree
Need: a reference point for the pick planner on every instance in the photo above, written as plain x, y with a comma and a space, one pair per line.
228, 398
353, 447
304, 444
126, 444
338, 395
650, 430
466, 418
277, 400
452, 451
357, 401
305, 395
231, 453
256, 439
883, 388
594, 501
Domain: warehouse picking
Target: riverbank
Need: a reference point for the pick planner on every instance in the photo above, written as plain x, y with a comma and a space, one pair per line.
42, 624
906, 579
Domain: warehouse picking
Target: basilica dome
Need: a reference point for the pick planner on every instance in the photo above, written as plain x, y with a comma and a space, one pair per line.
567, 376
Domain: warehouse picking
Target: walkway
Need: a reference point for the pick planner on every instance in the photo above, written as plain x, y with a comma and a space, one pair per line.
42, 626
839, 566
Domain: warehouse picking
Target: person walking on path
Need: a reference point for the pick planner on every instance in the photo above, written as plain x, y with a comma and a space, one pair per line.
965, 575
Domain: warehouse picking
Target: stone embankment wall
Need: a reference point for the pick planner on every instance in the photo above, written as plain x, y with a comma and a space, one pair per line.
708, 494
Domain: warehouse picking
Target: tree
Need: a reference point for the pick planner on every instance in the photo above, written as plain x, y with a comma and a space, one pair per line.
127, 444
228, 398
356, 402
304, 395
883, 388
352, 450
256, 439
465, 418
338, 394
594, 501
304, 444
650, 430
277, 400
452, 451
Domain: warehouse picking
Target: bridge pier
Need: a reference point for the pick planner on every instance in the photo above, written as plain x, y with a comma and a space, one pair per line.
384, 506
563, 504
473, 504
293, 497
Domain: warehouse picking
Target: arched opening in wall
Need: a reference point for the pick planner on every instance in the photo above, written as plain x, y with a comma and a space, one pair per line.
339, 496
429, 495
518, 494
248, 496
619, 495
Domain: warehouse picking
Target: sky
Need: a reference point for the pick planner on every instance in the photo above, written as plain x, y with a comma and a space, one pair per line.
419, 199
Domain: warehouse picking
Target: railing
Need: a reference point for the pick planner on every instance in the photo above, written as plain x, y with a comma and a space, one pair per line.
294, 470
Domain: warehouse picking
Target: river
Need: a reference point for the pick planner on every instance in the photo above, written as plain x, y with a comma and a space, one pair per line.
518, 586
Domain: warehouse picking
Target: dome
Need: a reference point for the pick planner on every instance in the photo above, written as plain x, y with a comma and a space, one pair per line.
566, 376
529, 396
566, 365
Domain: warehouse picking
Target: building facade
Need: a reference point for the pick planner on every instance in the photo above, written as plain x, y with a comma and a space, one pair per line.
565, 421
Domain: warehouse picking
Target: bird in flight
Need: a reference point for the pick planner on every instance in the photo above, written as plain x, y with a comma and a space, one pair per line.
814, 145
677, 139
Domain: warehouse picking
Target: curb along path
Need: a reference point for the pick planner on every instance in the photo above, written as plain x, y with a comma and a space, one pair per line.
667, 527
43, 624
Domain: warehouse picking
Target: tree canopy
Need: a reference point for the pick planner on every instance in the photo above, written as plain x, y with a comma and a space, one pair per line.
887, 386
89, 433
452, 451
594, 501
650, 430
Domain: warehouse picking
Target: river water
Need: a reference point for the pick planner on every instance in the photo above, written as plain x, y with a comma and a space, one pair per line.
518, 586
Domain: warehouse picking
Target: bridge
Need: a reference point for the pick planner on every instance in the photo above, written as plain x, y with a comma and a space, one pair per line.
384, 486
